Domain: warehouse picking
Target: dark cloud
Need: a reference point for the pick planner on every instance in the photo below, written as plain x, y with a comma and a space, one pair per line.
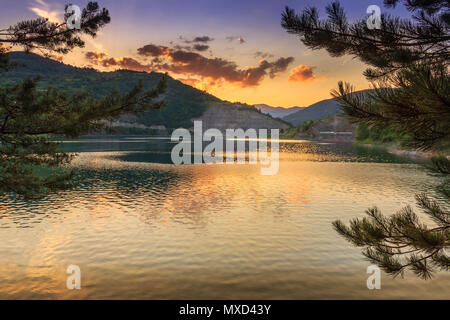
232, 38
201, 47
126, 63
99, 59
279, 66
179, 47
192, 63
132, 64
152, 50
302, 73
204, 39
93, 55
264, 55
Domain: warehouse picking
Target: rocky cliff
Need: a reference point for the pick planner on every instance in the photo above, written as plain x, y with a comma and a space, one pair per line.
231, 116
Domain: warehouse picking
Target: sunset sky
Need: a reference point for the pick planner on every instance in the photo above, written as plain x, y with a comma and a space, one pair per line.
235, 50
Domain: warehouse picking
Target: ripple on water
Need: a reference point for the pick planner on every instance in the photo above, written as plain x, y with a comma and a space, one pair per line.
208, 231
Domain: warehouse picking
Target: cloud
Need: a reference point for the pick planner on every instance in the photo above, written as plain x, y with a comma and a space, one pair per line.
132, 64
203, 84
279, 66
232, 38
204, 39
189, 81
191, 63
94, 55
201, 47
241, 40
194, 68
59, 58
94, 43
152, 50
100, 59
3, 48
43, 10
264, 55
303, 73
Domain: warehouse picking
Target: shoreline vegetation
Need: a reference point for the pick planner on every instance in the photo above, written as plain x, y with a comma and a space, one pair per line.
398, 150
339, 129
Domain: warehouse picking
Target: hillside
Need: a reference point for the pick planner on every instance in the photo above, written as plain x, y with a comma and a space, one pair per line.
334, 128
223, 118
317, 111
184, 102
276, 112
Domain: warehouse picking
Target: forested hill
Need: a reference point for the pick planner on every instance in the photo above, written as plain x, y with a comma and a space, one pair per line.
184, 102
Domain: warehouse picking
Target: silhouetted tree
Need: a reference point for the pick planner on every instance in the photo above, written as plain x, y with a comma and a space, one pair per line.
409, 62
30, 117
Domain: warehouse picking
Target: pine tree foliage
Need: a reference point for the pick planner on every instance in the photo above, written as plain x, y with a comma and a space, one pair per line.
413, 101
398, 42
30, 163
409, 65
42, 34
402, 241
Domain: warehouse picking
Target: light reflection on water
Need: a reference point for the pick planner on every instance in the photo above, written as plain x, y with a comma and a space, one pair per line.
144, 230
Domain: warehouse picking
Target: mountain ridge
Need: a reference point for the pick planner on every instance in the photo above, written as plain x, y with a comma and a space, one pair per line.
184, 103
317, 111
320, 110
276, 112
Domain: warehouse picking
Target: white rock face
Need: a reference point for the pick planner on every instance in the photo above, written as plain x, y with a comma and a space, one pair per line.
236, 117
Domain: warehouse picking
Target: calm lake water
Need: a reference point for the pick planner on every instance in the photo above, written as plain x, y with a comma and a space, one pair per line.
142, 228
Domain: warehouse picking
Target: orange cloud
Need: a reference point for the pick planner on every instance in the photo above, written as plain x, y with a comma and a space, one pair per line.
193, 68
189, 81
56, 57
196, 65
205, 84
303, 73
3, 49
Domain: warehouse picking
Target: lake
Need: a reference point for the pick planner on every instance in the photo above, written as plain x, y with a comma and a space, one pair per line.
141, 228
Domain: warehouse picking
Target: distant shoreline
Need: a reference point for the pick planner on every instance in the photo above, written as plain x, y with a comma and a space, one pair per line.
416, 154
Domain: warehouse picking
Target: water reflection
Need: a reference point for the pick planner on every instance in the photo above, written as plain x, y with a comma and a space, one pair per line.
158, 150
140, 229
